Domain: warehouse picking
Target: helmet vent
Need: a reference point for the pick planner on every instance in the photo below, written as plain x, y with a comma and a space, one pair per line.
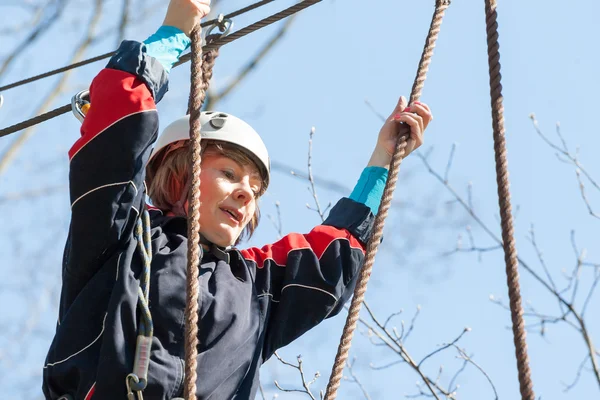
218, 121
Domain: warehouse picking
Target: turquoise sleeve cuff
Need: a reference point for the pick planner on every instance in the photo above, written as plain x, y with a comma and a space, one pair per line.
369, 188
166, 45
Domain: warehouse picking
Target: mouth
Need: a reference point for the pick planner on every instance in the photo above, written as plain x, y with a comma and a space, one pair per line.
233, 214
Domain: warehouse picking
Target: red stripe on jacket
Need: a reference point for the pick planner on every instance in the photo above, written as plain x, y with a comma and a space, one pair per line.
114, 95
318, 240
90, 393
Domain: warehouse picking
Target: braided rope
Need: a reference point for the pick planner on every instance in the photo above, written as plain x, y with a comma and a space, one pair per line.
508, 240
144, 240
138, 378
185, 58
201, 74
390, 186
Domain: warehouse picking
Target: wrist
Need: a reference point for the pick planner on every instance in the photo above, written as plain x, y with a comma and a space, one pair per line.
380, 158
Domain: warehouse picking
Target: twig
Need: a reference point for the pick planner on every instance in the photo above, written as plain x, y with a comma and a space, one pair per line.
306, 385
464, 356
17, 144
45, 17
124, 21
310, 177
568, 305
250, 66
349, 365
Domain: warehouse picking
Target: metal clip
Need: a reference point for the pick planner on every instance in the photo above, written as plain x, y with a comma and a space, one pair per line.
1, 100
130, 394
80, 104
225, 26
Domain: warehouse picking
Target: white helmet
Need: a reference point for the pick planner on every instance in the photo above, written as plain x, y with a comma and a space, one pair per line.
222, 127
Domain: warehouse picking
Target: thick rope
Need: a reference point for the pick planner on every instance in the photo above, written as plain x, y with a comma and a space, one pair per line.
390, 186
217, 43
508, 240
201, 73
110, 54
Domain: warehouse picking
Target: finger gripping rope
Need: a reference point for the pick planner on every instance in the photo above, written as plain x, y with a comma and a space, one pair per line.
201, 72
508, 240
386, 201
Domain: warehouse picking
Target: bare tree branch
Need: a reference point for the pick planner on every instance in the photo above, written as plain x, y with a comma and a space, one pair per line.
17, 144
305, 384
44, 19
349, 366
214, 98
124, 22
580, 324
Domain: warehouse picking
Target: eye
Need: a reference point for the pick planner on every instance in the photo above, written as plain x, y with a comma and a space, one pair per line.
228, 174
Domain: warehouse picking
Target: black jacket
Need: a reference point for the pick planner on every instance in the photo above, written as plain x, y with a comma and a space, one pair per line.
252, 301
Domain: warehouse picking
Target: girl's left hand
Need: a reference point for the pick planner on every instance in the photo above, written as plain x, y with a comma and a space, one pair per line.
412, 120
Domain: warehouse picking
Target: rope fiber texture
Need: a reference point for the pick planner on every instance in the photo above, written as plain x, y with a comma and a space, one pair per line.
201, 73
386, 201
217, 43
508, 240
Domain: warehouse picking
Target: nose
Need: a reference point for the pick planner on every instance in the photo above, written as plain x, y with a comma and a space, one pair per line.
243, 193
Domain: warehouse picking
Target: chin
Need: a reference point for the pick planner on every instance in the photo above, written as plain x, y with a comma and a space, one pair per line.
225, 239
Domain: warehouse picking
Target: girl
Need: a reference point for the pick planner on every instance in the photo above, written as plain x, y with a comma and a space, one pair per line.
252, 301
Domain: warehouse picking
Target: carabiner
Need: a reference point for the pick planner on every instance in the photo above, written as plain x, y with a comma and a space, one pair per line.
225, 25
130, 394
1, 100
80, 104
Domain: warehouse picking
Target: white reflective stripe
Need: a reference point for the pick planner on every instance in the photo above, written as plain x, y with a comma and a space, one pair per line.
309, 287
269, 295
102, 187
82, 350
118, 266
135, 187
102, 131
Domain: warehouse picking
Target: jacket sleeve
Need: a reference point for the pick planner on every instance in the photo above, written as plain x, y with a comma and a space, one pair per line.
107, 164
307, 278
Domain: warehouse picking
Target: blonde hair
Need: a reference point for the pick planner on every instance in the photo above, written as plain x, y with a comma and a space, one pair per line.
168, 174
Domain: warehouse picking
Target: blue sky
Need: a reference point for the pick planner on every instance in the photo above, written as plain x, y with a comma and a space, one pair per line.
337, 55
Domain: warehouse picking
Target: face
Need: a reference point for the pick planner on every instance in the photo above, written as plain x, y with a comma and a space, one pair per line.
229, 193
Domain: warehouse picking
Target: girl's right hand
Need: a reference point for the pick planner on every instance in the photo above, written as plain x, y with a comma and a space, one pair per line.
186, 14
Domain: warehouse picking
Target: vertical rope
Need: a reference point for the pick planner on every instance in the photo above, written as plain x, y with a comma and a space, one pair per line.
201, 72
390, 186
508, 240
